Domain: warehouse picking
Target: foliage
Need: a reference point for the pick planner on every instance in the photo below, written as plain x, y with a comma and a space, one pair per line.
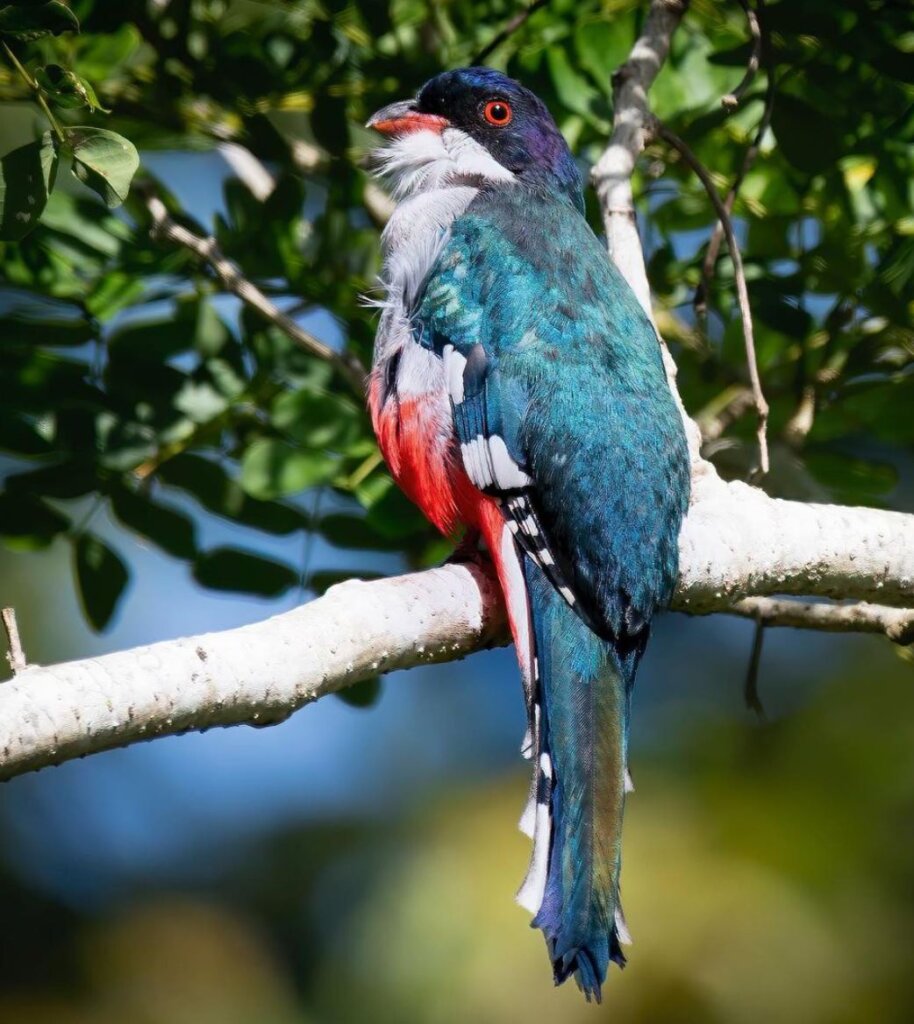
132, 384
101, 159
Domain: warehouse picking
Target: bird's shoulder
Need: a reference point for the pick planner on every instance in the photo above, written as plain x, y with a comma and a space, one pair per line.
524, 270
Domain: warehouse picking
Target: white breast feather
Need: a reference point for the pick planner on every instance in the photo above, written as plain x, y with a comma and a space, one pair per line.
437, 176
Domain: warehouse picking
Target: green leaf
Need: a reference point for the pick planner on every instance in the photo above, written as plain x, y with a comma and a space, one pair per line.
36, 327
26, 179
602, 45
216, 491
211, 332
808, 138
35, 20
390, 512
329, 123
28, 524
324, 579
272, 468
361, 695
20, 436
101, 56
150, 341
86, 226
346, 531
101, 577
104, 161
732, 57
165, 527
233, 569
67, 89
575, 92
200, 401
318, 420
64, 480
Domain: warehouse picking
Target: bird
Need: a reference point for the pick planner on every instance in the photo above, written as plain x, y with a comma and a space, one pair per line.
518, 393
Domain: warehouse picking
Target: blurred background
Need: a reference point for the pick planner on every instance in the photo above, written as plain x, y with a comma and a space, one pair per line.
171, 464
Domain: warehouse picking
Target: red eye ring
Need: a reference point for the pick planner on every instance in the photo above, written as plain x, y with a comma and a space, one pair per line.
498, 113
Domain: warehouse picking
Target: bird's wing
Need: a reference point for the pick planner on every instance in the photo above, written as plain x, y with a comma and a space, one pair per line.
561, 406
488, 411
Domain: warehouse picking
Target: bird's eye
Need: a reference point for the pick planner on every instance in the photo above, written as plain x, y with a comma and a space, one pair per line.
498, 112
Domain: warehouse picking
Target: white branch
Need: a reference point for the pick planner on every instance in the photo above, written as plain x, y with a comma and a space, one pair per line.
737, 548
612, 174
257, 674
738, 541
861, 617
735, 541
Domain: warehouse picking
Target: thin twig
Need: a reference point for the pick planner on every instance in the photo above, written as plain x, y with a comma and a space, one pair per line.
731, 100
750, 688
703, 290
742, 291
859, 617
15, 654
510, 28
208, 252
37, 90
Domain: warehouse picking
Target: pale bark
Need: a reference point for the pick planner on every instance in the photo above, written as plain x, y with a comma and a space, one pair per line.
257, 674
736, 541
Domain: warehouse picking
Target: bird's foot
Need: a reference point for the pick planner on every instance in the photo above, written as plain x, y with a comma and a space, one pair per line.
470, 549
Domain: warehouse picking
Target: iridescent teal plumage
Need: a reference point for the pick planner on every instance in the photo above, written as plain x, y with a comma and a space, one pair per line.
519, 386
585, 694
575, 385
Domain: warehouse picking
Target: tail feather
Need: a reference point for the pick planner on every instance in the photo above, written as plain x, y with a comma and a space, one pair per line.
583, 695
578, 688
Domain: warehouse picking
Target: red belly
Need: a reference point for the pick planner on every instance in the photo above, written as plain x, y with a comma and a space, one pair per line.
416, 439
417, 442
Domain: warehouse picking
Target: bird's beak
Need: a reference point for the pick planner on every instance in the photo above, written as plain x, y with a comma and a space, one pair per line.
404, 117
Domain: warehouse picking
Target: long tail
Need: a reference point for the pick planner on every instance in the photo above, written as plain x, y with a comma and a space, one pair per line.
580, 730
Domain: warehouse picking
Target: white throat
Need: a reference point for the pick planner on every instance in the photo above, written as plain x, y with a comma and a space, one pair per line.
426, 160
436, 176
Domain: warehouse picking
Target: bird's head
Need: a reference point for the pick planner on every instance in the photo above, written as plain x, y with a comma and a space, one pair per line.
476, 126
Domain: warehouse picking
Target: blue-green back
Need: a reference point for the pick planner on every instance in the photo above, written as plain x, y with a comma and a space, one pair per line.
576, 386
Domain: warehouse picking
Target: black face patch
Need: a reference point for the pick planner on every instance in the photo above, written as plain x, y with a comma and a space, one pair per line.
389, 385
507, 120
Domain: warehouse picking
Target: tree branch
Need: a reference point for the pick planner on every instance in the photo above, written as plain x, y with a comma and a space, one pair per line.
734, 542
895, 623
257, 674
700, 301
15, 655
731, 100
612, 174
207, 251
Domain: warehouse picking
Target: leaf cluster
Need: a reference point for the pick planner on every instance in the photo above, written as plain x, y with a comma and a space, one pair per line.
101, 159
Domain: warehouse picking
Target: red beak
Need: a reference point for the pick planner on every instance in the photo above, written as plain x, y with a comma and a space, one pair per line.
403, 117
